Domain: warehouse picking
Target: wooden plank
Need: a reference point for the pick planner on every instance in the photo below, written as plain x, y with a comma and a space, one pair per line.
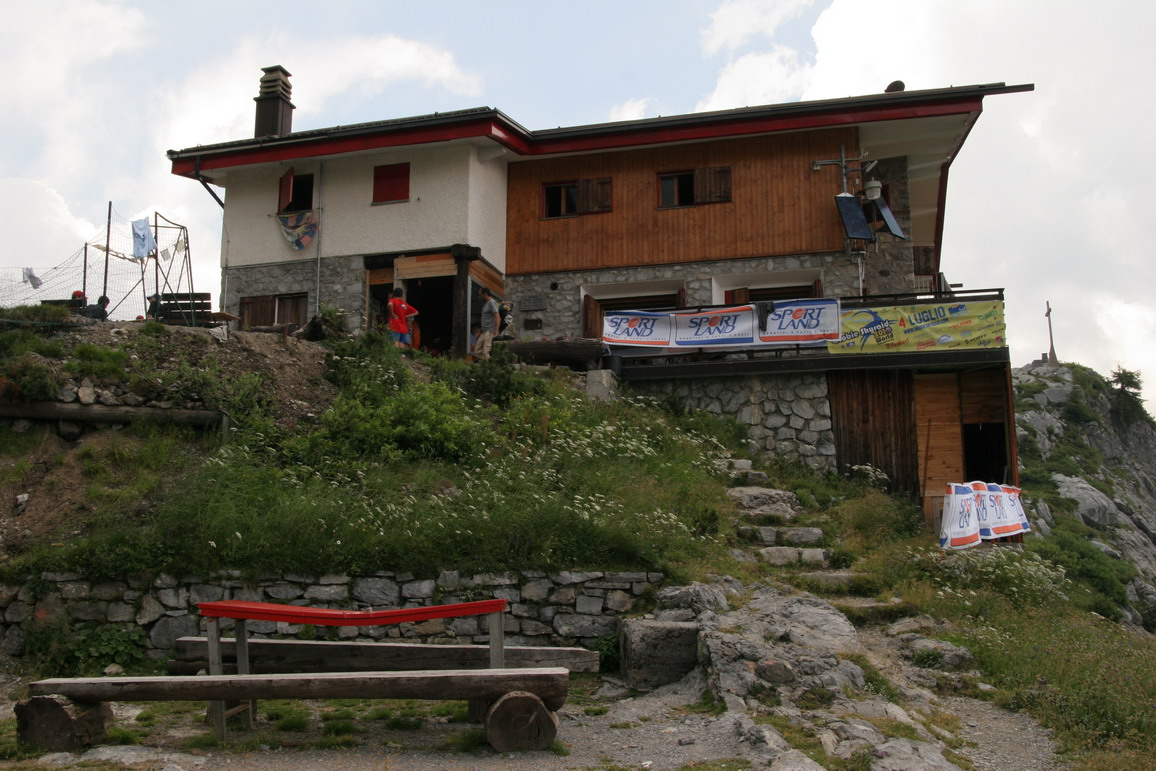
424, 266
99, 413
285, 656
550, 684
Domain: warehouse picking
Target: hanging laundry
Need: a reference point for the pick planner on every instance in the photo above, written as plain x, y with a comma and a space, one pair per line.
30, 278
143, 243
299, 229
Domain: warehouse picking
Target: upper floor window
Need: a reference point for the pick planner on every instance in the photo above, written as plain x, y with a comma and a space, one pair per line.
295, 192
391, 183
694, 187
583, 196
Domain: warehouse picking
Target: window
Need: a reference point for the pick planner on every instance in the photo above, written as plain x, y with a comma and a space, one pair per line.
295, 193
391, 183
691, 188
267, 310
583, 196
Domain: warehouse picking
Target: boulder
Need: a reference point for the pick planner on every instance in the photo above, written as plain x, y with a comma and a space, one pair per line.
655, 653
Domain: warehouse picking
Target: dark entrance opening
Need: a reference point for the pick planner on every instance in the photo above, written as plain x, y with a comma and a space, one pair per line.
433, 298
985, 452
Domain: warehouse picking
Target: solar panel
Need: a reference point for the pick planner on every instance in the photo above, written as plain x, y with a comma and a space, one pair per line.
891, 225
854, 220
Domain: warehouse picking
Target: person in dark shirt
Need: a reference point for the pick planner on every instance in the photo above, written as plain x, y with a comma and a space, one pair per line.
154, 311
99, 310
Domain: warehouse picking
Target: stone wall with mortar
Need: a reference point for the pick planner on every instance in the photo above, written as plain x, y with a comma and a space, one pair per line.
787, 414
557, 297
545, 608
342, 281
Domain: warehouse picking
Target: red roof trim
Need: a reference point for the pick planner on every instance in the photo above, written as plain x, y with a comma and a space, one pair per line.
508, 136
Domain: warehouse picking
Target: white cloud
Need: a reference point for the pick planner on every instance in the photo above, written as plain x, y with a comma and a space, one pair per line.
759, 78
737, 22
631, 109
41, 230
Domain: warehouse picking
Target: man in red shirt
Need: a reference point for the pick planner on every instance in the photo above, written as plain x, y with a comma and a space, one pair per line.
400, 313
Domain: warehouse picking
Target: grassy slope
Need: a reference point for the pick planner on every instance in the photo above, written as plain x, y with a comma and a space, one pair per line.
477, 468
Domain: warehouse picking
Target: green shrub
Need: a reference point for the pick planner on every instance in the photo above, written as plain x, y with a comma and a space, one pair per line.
1085, 563
62, 650
493, 380
27, 379
367, 368
16, 342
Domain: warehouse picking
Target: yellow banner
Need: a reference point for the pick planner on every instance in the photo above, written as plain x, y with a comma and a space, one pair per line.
913, 328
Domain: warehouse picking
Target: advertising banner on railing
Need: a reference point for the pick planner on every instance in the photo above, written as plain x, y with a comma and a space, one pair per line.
762, 324
913, 328
980, 511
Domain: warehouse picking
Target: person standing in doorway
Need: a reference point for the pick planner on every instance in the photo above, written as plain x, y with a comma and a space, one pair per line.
489, 323
400, 312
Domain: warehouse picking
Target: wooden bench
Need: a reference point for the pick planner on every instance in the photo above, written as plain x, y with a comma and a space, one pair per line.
520, 715
191, 655
188, 309
518, 703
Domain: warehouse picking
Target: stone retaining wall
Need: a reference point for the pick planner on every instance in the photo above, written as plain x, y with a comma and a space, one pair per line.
545, 608
787, 414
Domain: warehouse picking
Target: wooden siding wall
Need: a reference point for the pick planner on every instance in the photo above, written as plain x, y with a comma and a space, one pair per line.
872, 416
983, 396
939, 425
779, 205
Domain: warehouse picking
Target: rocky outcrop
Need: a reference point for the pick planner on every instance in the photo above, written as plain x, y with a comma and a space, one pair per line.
1116, 496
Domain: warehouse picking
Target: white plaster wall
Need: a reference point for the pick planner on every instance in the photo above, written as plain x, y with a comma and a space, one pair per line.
445, 182
487, 225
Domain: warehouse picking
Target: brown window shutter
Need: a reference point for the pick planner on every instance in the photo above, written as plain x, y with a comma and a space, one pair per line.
594, 195
817, 288
591, 317
712, 185
285, 192
258, 311
740, 296
682, 297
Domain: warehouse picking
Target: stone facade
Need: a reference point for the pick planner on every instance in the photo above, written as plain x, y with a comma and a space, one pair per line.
788, 414
545, 608
342, 282
561, 293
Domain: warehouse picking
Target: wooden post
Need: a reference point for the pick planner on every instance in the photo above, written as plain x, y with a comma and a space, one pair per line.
216, 714
497, 642
242, 642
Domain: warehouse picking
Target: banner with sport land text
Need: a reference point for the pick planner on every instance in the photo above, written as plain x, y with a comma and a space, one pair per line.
980, 511
788, 322
911, 328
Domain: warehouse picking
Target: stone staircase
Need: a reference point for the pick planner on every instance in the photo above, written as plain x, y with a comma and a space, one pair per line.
775, 650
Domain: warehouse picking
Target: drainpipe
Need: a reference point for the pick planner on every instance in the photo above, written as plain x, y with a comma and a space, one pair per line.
317, 241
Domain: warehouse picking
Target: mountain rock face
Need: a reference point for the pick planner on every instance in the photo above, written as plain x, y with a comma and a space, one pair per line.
1059, 408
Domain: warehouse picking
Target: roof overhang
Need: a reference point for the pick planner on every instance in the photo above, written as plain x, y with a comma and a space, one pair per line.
928, 127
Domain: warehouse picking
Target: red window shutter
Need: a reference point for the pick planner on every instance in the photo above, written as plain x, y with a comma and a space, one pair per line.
681, 297
391, 183
285, 191
817, 288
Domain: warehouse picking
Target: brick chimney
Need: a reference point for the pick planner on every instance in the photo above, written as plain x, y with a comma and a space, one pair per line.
274, 110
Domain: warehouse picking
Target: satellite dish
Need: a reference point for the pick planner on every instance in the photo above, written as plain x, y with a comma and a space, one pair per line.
895, 87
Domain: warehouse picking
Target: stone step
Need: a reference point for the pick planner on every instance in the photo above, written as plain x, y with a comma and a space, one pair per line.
792, 555
782, 536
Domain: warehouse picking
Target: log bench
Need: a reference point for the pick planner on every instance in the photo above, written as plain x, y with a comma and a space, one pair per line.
517, 705
522, 702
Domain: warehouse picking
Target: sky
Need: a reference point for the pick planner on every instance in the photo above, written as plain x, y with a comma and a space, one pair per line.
1045, 200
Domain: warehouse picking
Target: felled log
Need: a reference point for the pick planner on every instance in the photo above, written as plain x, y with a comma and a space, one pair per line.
520, 721
99, 413
55, 724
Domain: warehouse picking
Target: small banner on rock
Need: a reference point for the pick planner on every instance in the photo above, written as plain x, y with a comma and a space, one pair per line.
980, 511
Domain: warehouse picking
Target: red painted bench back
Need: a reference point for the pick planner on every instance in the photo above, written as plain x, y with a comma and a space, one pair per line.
295, 614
